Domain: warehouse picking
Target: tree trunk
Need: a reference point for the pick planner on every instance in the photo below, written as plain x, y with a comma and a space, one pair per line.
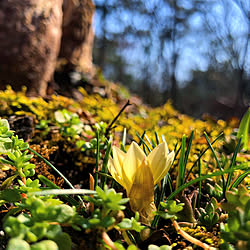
78, 36
240, 89
30, 34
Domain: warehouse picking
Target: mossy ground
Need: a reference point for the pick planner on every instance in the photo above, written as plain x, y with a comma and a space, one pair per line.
101, 104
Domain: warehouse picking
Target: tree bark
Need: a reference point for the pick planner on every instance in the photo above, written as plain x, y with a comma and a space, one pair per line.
30, 34
33, 33
78, 35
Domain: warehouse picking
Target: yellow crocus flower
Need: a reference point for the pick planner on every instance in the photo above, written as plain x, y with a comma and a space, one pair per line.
138, 174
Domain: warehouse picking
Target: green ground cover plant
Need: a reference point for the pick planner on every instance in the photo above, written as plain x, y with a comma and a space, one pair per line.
65, 187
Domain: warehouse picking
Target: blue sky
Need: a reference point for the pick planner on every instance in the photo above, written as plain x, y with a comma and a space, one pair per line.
193, 46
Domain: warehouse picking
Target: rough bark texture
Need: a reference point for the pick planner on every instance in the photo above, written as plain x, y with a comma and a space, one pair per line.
30, 35
78, 36
33, 32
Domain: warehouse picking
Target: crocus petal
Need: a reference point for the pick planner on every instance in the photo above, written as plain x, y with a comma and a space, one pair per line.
118, 174
113, 171
142, 190
169, 163
147, 213
133, 160
118, 158
160, 161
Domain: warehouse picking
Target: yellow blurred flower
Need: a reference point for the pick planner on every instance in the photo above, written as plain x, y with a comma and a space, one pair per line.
138, 174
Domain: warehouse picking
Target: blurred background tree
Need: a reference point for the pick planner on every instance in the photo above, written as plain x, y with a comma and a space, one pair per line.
194, 52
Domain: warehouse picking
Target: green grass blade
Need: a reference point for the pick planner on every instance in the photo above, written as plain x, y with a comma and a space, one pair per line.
153, 143
97, 158
244, 129
105, 175
181, 171
189, 147
140, 137
160, 194
149, 142
163, 138
218, 173
199, 194
144, 143
217, 161
201, 156
170, 183
53, 167
229, 177
105, 164
52, 185
124, 137
240, 179
157, 138
63, 192
57, 171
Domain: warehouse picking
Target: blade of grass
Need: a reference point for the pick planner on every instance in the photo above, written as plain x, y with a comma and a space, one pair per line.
144, 143
150, 143
229, 177
52, 185
57, 171
160, 197
105, 175
124, 137
239, 179
97, 157
157, 138
169, 181
199, 194
189, 147
162, 194
163, 138
153, 143
63, 192
244, 129
218, 173
143, 134
202, 155
105, 164
217, 161
181, 171
53, 167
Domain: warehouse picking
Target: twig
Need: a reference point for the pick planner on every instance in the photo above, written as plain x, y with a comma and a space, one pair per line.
190, 238
115, 119
108, 241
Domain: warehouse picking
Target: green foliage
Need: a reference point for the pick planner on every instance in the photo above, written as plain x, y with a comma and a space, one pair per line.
16, 151
170, 210
9, 195
5, 136
237, 228
209, 215
244, 129
69, 123
43, 126
131, 224
100, 128
39, 218
108, 200
215, 190
44, 218
163, 247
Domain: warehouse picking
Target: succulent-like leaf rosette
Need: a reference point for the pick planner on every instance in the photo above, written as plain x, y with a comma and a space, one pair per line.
139, 173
